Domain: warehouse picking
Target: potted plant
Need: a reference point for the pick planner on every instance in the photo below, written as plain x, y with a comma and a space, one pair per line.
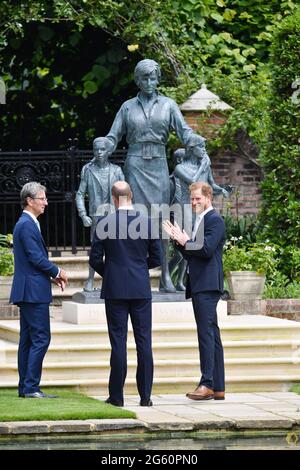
6, 266
246, 267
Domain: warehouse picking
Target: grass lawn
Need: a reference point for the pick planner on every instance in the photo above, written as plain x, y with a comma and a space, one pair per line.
69, 405
295, 388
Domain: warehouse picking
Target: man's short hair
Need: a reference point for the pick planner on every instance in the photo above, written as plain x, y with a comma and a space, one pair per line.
206, 189
121, 189
30, 190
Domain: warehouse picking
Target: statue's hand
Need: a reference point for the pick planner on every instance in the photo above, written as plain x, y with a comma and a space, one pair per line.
86, 220
225, 193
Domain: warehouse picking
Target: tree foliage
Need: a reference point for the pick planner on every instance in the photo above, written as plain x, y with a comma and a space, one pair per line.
281, 156
63, 90
220, 42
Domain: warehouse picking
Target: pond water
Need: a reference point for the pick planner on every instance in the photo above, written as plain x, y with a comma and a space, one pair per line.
277, 440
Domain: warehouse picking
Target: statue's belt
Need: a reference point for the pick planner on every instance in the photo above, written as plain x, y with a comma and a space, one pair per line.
147, 150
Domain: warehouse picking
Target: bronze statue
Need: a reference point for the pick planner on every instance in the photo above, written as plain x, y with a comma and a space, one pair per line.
192, 167
97, 178
146, 120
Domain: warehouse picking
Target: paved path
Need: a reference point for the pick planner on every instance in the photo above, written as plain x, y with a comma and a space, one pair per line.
261, 410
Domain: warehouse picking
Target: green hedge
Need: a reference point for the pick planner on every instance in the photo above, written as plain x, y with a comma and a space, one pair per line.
281, 156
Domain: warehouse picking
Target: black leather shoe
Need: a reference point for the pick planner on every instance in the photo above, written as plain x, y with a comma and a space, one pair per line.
21, 395
114, 402
39, 395
146, 402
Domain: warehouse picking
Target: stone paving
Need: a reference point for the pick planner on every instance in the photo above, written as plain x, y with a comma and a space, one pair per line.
255, 411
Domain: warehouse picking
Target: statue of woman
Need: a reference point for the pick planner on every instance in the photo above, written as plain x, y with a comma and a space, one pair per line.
146, 121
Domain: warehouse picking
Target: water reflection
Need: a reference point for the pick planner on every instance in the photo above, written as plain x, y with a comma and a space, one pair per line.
279, 442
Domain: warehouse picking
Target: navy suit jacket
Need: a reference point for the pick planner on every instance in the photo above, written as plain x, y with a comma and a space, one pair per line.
128, 258
205, 263
31, 282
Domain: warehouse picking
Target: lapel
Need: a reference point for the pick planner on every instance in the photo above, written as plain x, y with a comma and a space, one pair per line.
209, 214
27, 217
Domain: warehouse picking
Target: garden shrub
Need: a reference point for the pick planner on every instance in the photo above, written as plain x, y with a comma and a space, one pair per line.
280, 157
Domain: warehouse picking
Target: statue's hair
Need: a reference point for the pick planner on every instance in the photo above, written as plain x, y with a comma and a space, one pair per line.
106, 140
195, 140
179, 154
146, 66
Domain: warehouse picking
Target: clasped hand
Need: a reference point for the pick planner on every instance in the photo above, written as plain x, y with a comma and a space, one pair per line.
62, 280
175, 233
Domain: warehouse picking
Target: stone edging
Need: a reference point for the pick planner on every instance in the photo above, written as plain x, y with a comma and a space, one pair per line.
67, 426
133, 425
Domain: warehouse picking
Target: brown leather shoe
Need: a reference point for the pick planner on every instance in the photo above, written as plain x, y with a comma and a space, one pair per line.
201, 393
219, 395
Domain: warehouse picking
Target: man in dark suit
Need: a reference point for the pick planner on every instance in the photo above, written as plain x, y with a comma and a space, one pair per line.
31, 290
124, 238
203, 252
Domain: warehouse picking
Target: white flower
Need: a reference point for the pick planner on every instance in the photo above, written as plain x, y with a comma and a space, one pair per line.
269, 248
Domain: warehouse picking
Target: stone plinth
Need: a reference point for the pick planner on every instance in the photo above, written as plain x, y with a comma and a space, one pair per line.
84, 314
166, 308
9, 312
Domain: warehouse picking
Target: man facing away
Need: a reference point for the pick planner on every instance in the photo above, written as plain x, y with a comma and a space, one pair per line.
31, 290
124, 238
204, 286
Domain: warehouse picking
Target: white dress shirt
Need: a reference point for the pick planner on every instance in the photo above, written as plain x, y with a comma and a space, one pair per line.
34, 218
126, 208
198, 220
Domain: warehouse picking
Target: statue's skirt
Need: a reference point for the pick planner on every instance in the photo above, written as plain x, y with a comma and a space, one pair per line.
149, 180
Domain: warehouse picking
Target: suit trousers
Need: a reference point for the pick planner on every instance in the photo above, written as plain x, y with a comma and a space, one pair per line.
34, 341
140, 311
209, 339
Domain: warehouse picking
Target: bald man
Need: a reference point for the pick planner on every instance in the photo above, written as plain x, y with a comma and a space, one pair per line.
125, 239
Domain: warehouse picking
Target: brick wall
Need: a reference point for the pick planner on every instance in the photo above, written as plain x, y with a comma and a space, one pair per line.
204, 124
288, 309
229, 169
244, 176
